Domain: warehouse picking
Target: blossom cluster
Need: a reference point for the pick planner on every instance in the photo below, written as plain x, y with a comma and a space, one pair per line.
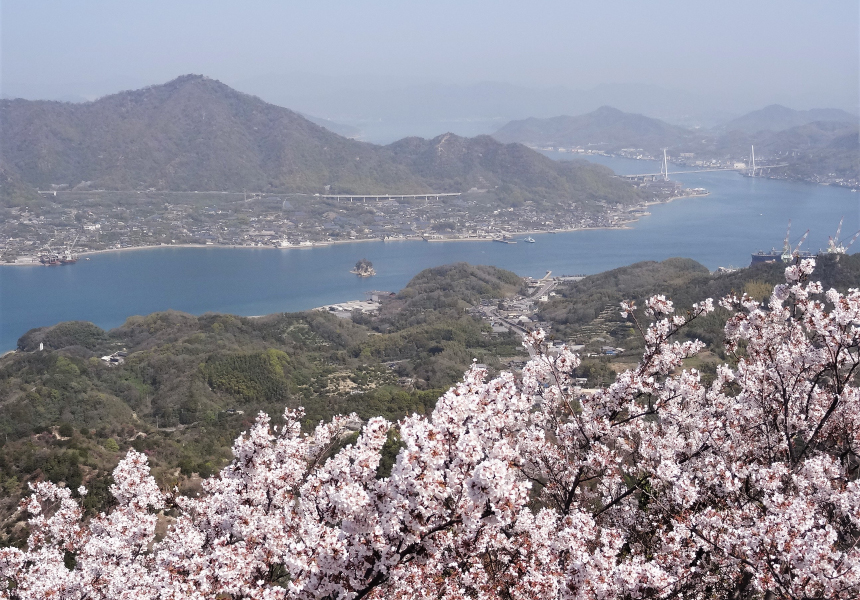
520, 487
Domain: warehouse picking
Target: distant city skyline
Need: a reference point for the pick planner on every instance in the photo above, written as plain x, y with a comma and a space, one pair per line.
736, 56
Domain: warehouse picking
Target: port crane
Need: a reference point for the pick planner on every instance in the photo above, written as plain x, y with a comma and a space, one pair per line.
835, 246
835, 238
789, 254
786, 245
796, 251
50, 257
67, 256
851, 241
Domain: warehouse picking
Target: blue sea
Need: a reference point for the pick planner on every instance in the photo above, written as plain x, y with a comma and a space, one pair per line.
741, 215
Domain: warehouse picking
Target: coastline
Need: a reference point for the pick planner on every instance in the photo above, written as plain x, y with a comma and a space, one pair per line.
33, 261
673, 198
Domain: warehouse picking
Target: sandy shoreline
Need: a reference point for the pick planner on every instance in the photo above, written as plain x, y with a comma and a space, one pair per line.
34, 261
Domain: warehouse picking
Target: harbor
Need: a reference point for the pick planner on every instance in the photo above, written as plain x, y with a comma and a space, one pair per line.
789, 252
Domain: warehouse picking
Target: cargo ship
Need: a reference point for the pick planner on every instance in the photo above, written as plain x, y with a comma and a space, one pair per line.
765, 257
50, 259
835, 246
786, 255
777, 256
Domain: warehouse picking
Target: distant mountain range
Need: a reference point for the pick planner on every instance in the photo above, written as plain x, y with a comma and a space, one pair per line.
610, 128
800, 138
606, 128
817, 144
195, 133
385, 113
778, 118
385, 109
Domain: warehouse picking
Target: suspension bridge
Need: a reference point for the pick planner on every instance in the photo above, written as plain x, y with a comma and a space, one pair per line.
749, 171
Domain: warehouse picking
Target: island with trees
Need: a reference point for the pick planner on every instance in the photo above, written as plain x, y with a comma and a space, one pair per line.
364, 268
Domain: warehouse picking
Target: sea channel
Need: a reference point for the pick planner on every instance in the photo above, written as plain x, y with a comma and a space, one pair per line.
739, 216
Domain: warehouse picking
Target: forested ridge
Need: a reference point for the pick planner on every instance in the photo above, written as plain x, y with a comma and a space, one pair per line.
685, 281
586, 312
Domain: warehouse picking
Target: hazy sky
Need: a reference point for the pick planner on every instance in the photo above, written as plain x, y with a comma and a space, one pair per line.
802, 54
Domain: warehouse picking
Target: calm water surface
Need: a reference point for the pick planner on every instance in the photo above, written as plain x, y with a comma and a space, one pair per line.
740, 216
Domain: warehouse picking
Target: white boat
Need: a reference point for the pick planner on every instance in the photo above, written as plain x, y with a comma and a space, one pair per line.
530, 240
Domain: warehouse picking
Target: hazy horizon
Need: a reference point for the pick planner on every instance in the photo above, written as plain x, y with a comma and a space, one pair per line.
421, 69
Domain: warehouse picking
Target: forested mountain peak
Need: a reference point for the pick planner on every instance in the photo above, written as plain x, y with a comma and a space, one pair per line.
190, 133
197, 134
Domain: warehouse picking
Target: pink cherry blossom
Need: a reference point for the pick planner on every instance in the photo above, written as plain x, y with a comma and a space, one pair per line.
524, 487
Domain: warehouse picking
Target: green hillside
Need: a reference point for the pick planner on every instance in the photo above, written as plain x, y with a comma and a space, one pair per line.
840, 157
197, 134
188, 385
453, 162
13, 191
588, 311
193, 133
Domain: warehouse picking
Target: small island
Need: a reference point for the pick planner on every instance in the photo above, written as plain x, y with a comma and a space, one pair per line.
364, 268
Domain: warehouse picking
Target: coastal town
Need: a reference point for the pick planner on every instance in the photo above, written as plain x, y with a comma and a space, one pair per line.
70, 224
